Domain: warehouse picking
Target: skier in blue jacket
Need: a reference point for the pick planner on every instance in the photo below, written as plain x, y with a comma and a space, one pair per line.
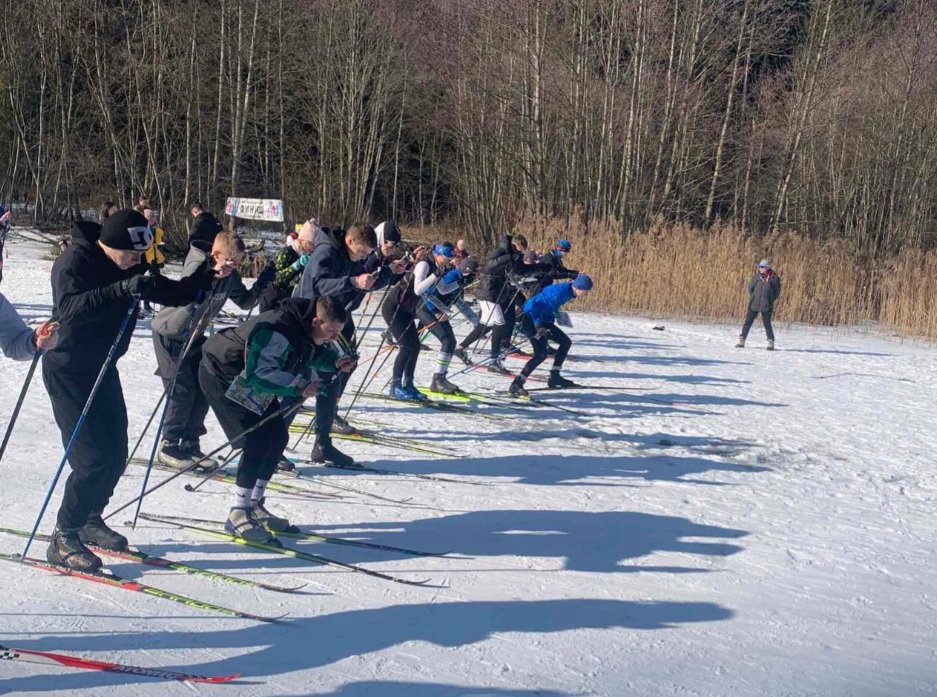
540, 320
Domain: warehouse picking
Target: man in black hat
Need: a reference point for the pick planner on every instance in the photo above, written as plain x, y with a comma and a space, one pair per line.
95, 283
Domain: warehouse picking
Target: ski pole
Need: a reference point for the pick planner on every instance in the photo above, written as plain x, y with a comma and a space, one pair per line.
280, 411
191, 335
131, 310
19, 402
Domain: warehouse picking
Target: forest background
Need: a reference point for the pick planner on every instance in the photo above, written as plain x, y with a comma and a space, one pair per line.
675, 142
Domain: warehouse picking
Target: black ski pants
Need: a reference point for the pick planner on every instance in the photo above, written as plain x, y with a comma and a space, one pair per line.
400, 321
263, 447
187, 407
99, 453
554, 334
750, 319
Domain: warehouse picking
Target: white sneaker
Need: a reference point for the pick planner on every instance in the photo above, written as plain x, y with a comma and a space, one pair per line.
741, 343
770, 345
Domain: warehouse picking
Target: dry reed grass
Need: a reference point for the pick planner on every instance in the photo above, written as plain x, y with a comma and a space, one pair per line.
680, 271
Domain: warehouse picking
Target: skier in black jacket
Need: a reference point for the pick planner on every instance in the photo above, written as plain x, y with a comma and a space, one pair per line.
204, 225
345, 265
95, 283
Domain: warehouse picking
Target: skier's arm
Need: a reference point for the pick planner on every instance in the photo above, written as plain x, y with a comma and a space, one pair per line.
17, 341
325, 273
423, 280
76, 302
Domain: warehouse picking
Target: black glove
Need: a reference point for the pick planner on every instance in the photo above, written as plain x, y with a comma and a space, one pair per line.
266, 277
204, 275
139, 286
543, 331
571, 274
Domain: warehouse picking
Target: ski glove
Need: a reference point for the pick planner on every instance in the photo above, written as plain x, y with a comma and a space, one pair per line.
266, 277
300, 263
543, 331
138, 286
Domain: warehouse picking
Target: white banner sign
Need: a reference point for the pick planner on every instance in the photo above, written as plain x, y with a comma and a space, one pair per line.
255, 208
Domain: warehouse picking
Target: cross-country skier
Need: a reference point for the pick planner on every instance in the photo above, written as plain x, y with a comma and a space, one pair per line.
248, 373
174, 327
19, 342
764, 289
496, 299
439, 303
345, 266
95, 283
540, 317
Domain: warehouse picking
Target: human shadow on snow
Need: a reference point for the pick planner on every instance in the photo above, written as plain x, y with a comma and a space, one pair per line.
265, 650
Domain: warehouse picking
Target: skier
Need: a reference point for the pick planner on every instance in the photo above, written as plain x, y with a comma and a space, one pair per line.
95, 283
175, 327
764, 289
289, 264
495, 297
345, 265
539, 316
19, 342
438, 285
247, 373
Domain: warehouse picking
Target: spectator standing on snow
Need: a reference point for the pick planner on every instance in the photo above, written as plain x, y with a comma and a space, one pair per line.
764, 289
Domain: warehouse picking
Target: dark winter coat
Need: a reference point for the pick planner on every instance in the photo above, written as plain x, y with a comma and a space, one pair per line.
763, 291
173, 322
90, 303
273, 350
204, 228
501, 261
331, 272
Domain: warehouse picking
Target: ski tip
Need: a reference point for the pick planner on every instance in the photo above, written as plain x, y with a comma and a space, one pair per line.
272, 619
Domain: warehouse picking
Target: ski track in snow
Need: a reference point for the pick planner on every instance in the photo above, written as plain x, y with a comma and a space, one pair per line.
742, 523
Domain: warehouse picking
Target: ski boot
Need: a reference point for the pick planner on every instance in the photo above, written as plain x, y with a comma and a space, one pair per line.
242, 523
194, 451
497, 367
443, 386
267, 519
285, 465
95, 532
396, 391
341, 425
324, 451
517, 387
462, 355
66, 549
741, 342
770, 345
558, 382
413, 394
174, 455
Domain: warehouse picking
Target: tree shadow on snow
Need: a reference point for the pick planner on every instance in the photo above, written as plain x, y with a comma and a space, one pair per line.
269, 650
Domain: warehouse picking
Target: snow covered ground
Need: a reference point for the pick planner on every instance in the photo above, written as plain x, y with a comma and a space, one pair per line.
738, 523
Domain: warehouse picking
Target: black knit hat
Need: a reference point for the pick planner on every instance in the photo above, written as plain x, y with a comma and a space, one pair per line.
127, 230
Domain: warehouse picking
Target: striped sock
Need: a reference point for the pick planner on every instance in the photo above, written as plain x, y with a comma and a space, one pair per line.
442, 363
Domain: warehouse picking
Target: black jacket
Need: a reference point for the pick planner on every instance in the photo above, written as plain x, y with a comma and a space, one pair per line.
204, 228
501, 261
90, 304
330, 271
763, 291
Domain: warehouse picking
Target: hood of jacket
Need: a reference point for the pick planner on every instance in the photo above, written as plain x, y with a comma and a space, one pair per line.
85, 231
334, 237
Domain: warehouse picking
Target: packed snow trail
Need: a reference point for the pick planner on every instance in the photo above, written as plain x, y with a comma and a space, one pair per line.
737, 522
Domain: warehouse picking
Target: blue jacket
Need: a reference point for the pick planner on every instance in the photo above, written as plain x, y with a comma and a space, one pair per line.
543, 306
16, 339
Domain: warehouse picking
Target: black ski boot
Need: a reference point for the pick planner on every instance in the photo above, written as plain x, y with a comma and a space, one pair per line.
326, 452
498, 368
96, 533
341, 425
66, 549
285, 465
462, 355
558, 382
443, 386
517, 387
